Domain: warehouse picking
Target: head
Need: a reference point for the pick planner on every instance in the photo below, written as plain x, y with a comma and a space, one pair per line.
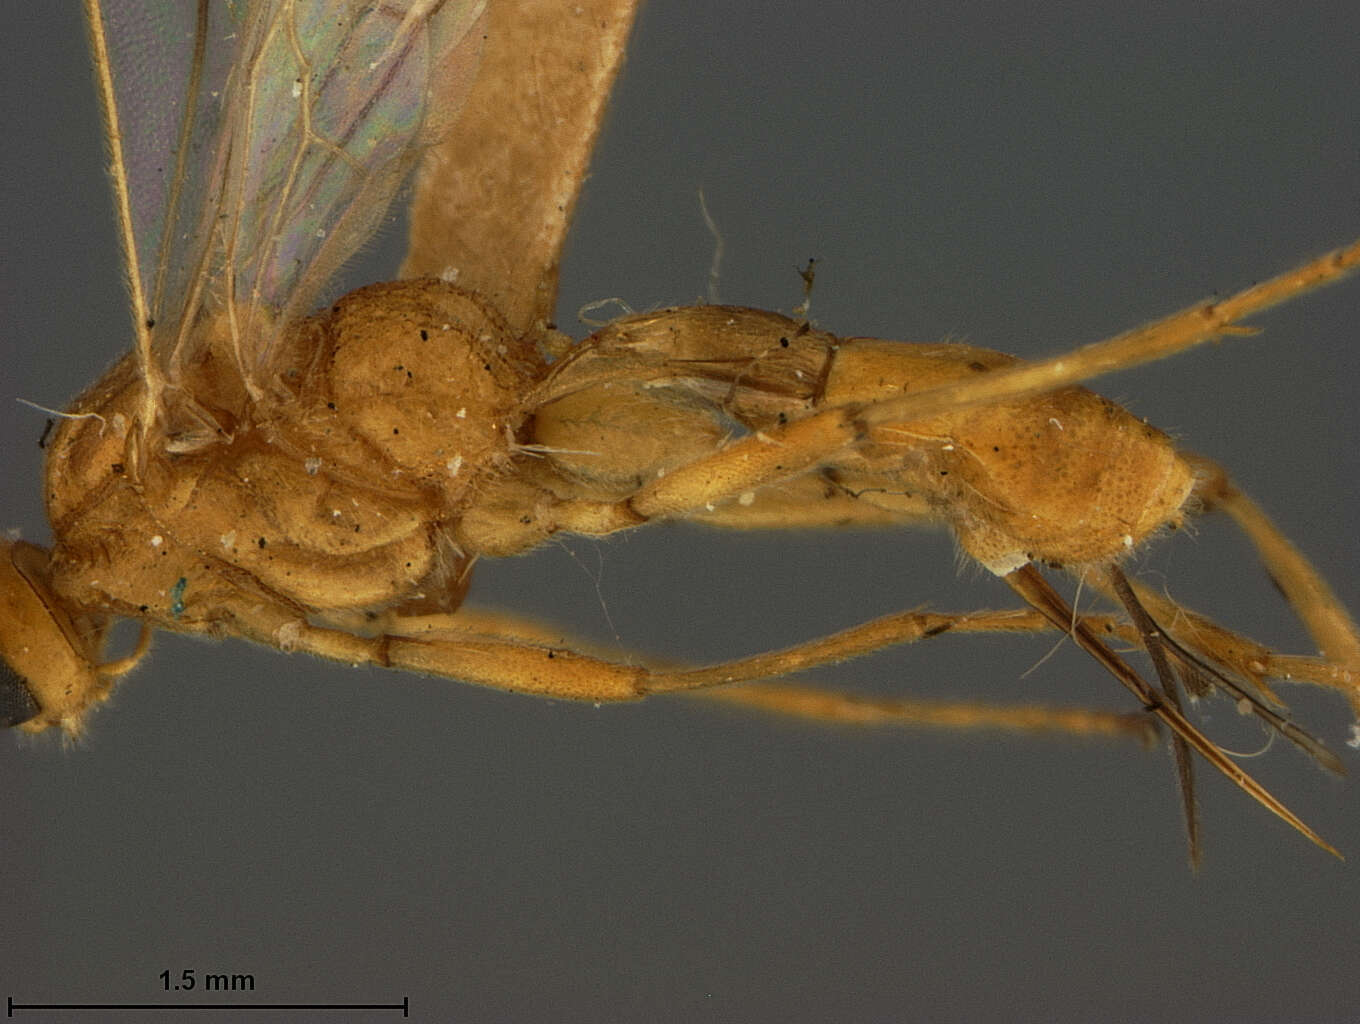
51, 672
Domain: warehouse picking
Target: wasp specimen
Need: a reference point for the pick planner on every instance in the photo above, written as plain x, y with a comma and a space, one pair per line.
326, 481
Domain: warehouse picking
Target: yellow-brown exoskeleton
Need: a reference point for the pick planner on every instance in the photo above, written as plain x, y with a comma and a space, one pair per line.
326, 481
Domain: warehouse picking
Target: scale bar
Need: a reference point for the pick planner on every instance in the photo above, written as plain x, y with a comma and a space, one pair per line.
404, 1006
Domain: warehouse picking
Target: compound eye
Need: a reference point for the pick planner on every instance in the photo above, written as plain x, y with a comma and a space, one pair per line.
17, 705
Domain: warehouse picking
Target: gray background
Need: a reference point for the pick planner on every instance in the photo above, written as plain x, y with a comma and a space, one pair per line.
1026, 181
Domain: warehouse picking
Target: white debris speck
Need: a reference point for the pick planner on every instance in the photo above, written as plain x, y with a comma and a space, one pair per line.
461, 413
312, 465
947, 448
449, 275
1354, 741
228, 540
1128, 540
1006, 563
157, 541
747, 498
297, 88
1053, 421
454, 465
286, 636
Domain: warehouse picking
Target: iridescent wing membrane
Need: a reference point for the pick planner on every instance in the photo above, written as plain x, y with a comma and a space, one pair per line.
262, 143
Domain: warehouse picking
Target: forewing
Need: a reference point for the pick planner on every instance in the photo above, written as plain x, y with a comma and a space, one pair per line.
263, 143
162, 69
